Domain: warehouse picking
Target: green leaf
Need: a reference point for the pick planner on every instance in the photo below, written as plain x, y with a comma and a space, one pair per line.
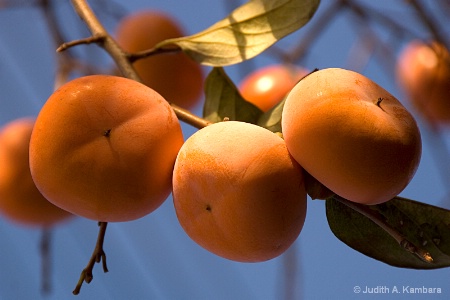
246, 32
425, 226
223, 100
272, 118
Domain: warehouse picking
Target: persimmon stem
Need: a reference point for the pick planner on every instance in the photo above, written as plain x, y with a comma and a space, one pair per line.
46, 261
379, 102
124, 60
132, 57
379, 220
98, 255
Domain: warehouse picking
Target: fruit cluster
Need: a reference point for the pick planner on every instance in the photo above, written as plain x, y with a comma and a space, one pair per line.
111, 149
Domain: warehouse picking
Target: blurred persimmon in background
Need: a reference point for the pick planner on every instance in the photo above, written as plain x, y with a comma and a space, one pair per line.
423, 72
20, 200
174, 75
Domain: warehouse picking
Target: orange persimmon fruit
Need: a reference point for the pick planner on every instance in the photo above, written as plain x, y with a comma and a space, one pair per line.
238, 192
351, 135
103, 147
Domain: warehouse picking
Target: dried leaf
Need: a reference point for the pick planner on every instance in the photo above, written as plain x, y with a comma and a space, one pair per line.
246, 32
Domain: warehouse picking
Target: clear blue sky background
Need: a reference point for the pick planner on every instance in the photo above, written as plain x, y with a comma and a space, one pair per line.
152, 258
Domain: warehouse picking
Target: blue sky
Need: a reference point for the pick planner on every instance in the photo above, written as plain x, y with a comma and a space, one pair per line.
152, 258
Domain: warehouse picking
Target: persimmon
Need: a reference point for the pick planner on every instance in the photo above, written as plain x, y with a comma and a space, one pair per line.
20, 200
103, 147
351, 135
267, 86
175, 76
423, 72
238, 193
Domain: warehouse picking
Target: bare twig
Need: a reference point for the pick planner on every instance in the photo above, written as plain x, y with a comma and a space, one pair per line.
379, 17
85, 41
132, 57
445, 6
388, 57
321, 23
291, 279
46, 261
428, 21
379, 220
97, 255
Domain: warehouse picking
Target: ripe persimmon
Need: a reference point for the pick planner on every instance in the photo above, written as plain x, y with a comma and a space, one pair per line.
423, 72
352, 135
103, 147
20, 200
175, 76
267, 86
238, 193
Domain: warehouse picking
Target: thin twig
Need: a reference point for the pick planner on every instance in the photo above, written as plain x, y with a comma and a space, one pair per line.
85, 41
46, 261
122, 60
132, 57
388, 57
291, 279
64, 63
321, 23
428, 21
378, 220
97, 255
379, 17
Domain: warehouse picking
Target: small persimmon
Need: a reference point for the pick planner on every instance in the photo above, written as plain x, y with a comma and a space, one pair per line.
20, 200
423, 72
267, 86
351, 135
175, 76
103, 147
238, 193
